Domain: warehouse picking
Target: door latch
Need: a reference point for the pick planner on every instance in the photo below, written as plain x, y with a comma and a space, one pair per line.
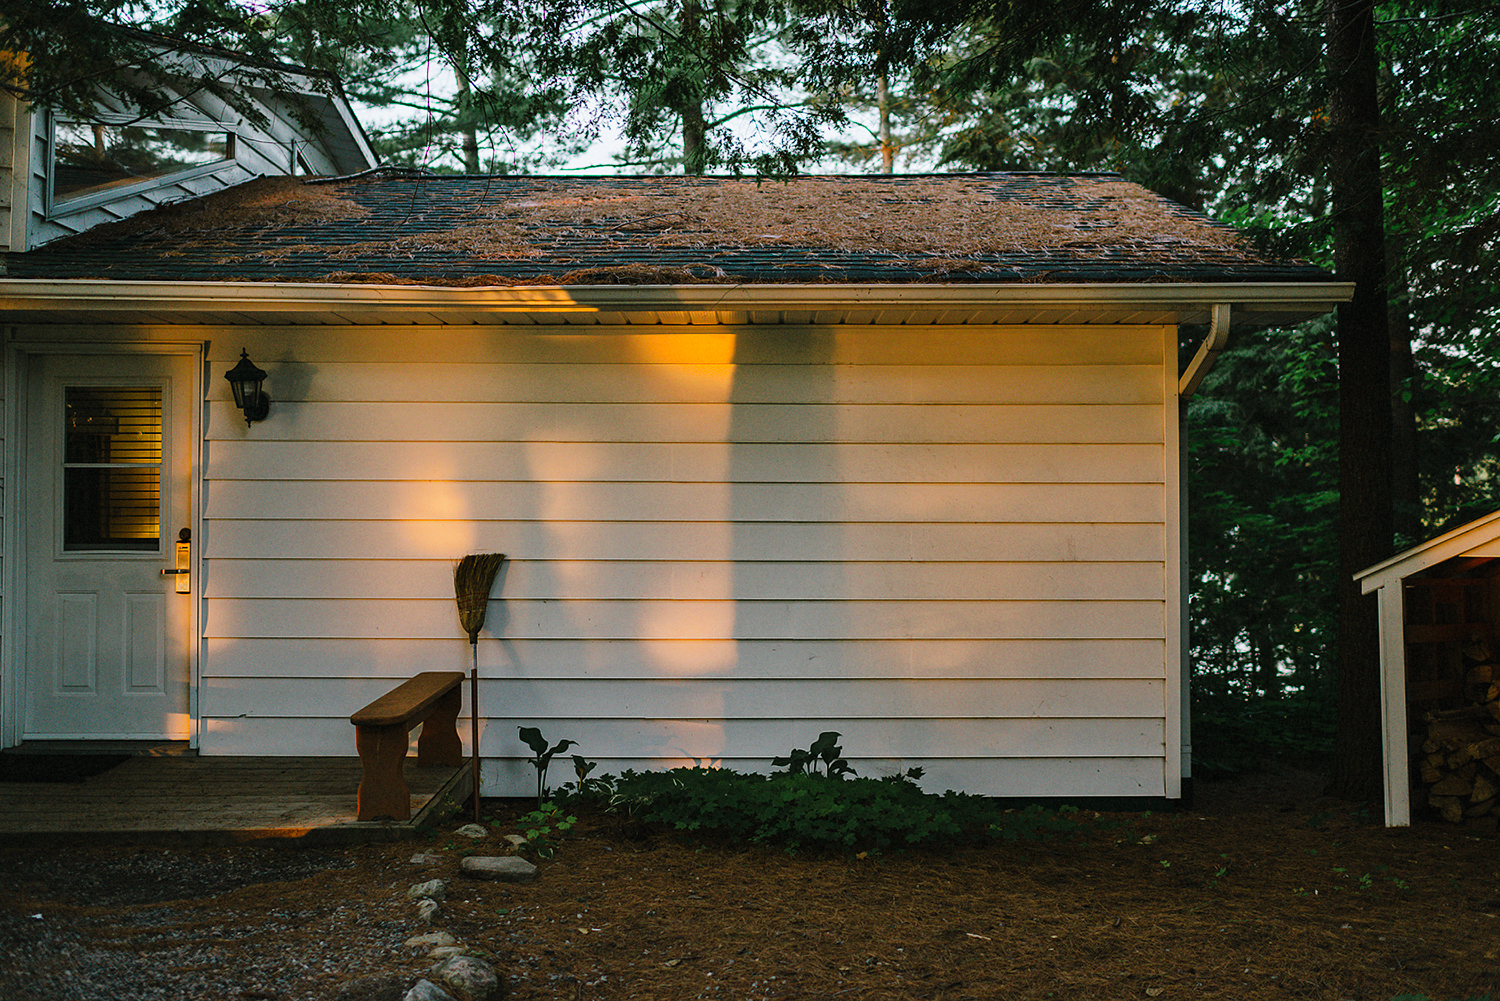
184, 561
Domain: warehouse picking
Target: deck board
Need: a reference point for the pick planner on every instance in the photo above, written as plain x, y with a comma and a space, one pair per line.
223, 799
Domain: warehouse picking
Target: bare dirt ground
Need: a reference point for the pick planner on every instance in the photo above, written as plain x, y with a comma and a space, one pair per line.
1263, 890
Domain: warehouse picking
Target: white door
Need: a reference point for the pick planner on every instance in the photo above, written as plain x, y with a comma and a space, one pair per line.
108, 463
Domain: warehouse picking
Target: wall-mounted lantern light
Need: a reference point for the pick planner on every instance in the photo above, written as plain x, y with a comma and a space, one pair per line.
245, 380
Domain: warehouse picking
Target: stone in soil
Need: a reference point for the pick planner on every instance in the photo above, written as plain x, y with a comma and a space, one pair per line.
467, 978
426, 990
505, 868
433, 889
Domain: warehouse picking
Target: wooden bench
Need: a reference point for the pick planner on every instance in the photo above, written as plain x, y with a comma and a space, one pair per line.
432, 699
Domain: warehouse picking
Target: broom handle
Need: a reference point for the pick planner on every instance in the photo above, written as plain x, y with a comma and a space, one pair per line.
474, 724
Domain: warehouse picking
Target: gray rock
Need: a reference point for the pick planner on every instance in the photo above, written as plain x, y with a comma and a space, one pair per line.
432, 938
516, 840
472, 831
505, 869
433, 889
426, 990
376, 988
425, 858
427, 909
467, 978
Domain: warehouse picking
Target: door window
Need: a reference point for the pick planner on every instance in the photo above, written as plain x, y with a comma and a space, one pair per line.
112, 468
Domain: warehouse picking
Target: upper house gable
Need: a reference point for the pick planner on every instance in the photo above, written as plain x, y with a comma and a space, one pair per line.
62, 174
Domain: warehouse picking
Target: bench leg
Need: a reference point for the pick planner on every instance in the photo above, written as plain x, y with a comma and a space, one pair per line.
438, 743
382, 786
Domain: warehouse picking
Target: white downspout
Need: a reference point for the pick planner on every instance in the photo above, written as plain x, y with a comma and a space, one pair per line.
1218, 337
1187, 384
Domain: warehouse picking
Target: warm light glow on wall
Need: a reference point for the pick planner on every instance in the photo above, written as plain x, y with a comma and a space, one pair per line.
702, 620
440, 500
580, 461
439, 520
711, 383
684, 350
688, 660
441, 538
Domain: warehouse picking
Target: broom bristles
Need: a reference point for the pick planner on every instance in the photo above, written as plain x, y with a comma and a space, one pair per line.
472, 579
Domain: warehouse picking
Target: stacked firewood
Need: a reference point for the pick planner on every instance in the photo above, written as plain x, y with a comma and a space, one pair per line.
1460, 761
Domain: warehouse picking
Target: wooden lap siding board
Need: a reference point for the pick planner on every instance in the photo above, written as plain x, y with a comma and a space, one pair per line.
946, 543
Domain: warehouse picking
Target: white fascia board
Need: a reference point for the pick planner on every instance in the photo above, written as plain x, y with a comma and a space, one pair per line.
1480, 534
1186, 299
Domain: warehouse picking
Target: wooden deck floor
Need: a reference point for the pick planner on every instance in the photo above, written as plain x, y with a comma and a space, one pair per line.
222, 799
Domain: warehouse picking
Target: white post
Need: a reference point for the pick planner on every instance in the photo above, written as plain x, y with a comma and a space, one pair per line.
1393, 730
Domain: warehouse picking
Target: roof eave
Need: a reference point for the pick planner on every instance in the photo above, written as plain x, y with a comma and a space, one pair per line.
1190, 302
1480, 538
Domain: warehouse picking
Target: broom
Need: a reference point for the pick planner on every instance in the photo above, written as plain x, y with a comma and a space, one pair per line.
472, 579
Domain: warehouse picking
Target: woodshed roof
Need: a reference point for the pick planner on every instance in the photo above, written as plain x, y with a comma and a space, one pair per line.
393, 228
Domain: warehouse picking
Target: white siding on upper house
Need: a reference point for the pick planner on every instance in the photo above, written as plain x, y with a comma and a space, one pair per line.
14, 174
947, 544
283, 144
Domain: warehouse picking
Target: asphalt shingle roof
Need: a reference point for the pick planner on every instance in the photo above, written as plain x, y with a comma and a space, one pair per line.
524, 230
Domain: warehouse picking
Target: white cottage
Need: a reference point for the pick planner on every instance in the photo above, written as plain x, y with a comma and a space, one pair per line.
894, 456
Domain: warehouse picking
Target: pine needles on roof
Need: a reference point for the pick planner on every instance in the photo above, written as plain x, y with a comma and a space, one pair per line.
668, 230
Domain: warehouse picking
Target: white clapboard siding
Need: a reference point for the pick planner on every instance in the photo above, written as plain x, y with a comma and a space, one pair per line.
1044, 777
1082, 347
949, 544
483, 531
477, 381
977, 736
572, 502
734, 422
639, 579
692, 462
253, 618
732, 699
999, 757
287, 658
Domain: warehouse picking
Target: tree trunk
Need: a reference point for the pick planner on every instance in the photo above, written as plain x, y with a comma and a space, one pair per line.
468, 127
1406, 493
1364, 388
691, 107
693, 130
1267, 667
887, 150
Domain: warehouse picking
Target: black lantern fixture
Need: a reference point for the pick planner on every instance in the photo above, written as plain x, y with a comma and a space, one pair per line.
245, 380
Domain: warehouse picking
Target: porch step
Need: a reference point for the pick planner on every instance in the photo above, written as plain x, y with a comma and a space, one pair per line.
209, 800
152, 748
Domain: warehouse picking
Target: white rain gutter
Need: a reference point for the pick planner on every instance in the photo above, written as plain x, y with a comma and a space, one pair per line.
1208, 351
1189, 301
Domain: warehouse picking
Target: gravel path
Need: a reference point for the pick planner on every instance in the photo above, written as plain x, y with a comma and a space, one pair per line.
139, 924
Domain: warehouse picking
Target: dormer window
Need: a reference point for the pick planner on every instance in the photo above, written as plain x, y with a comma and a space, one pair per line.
94, 157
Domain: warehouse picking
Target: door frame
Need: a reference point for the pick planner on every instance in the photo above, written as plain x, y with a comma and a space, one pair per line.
13, 548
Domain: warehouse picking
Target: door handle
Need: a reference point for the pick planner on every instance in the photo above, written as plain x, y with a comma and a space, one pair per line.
184, 561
